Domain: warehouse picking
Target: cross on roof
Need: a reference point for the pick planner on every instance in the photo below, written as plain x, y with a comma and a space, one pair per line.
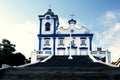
72, 15
49, 6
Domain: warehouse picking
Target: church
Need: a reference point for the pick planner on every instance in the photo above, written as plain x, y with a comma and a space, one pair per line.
63, 54
57, 41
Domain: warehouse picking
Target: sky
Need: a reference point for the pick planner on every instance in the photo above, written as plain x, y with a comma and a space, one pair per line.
19, 21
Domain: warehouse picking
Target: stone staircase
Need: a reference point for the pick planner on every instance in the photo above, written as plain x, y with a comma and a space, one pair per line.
60, 73
62, 68
63, 61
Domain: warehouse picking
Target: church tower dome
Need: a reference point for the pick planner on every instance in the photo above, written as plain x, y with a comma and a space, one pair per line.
72, 21
50, 12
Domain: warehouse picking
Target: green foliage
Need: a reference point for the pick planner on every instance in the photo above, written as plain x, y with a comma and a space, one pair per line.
18, 59
8, 55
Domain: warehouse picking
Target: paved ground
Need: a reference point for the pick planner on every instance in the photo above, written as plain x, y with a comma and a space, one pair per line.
60, 73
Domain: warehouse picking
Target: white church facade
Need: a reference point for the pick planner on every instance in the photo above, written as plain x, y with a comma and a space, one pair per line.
57, 41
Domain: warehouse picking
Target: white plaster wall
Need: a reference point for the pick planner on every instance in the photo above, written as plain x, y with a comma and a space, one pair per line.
104, 54
43, 45
101, 55
50, 42
77, 42
73, 51
81, 30
86, 41
33, 57
67, 41
60, 52
83, 52
109, 57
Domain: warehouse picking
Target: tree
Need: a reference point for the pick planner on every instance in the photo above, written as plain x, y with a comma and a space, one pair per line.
7, 50
8, 55
28, 60
18, 59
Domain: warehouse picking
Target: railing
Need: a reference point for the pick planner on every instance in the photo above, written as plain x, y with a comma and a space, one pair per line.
48, 52
40, 52
37, 52
42, 56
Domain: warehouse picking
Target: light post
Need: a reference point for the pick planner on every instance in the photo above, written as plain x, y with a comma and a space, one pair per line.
71, 23
70, 55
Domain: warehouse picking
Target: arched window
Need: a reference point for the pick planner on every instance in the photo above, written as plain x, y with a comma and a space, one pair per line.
47, 26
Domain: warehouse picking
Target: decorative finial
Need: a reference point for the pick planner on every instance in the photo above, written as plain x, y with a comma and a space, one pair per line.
72, 15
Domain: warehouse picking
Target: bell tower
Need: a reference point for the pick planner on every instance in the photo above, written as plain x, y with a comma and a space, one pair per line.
48, 23
48, 26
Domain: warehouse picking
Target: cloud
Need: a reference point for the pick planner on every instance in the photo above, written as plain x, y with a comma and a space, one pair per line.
117, 27
64, 23
109, 18
109, 38
27, 37
24, 36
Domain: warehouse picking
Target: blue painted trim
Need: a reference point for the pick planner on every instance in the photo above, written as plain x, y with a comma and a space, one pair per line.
94, 53
46, 48
46, 44
90, 39
49, 12
60, 37
82, 37
66, 35
83, 44
61, 48
83, 48
40, 44
47, 17
101, 52
73, 37
72, 21
54, 50
55, 25
46, 38
60, 44
40, 31
73, 47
